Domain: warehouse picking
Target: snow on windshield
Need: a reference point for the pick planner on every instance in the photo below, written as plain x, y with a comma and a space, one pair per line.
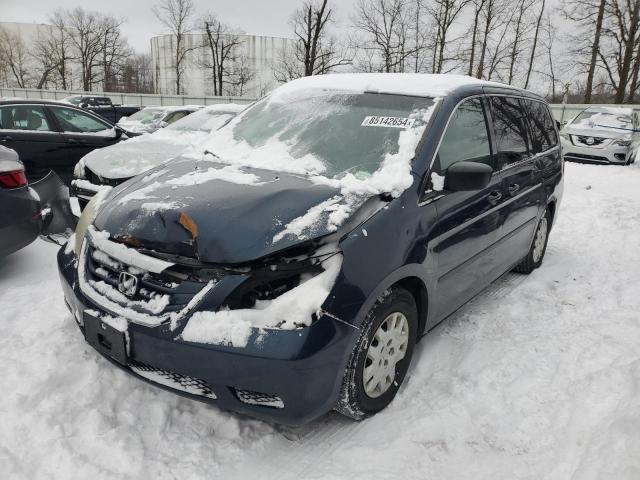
611, 118
359, 143
203, 121
147, 115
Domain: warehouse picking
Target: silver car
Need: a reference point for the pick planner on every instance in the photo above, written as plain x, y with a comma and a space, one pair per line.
607, 135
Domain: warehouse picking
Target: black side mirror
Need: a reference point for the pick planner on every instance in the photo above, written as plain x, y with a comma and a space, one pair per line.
119, 131
467, 176
558, 124
83, 105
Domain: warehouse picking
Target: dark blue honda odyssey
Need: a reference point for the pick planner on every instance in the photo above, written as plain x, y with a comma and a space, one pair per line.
289, 264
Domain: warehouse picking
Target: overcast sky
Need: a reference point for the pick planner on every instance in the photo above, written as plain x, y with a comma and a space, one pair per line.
257, 17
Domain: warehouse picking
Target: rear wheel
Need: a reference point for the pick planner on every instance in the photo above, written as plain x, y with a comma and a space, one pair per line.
539, 246
381, 357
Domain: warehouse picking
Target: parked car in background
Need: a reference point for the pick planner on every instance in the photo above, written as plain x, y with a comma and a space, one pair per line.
609, 135
289, 265
20, 214
50, 135
113, 165
150, 119
102, 106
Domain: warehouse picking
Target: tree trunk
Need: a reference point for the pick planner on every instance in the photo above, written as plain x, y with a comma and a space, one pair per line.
595, 47
534, 46
628, 53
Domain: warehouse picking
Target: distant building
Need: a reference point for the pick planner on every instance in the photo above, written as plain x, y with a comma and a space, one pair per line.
258, 55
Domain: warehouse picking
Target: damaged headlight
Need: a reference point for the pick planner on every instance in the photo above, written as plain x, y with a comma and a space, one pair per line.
78, 170
270, 281
88, 216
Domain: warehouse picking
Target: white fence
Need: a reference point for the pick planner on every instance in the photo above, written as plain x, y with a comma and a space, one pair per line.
562, 112
139, 99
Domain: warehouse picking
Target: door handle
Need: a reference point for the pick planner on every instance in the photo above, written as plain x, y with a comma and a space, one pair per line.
494, 197
6, 138
514, 188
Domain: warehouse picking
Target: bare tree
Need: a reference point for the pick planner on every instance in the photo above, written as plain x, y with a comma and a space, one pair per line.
114, 51
241, 75
13, 52
443, 14
221, 45
622, 30
136, 76
86, 41
314, 51
54, 49
385, 28
489, 22
176, 16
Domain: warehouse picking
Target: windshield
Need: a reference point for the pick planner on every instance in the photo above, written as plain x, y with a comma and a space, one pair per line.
148, 115
202, 121
320, 132
601, 119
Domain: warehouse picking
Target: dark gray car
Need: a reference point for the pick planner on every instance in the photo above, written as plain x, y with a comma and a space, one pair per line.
20, 214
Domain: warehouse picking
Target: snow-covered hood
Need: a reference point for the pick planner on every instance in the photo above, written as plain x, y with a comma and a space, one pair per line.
137, 155
221, 214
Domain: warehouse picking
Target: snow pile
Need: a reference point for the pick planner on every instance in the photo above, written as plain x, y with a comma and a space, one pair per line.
288, 311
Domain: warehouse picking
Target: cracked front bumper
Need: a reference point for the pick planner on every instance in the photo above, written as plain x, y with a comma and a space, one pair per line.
302, 368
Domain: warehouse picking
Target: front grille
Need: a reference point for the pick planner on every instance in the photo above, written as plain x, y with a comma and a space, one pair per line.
98, 180
177, 381
586, 158
260, 399
158, 292
590, 141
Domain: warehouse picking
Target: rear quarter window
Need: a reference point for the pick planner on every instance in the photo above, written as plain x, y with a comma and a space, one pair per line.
510, 130
541, 126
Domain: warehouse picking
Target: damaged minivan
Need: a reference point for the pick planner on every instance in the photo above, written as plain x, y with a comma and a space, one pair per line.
288, 265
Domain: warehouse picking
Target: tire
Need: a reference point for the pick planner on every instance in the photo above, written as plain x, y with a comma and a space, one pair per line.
538, 247
358, 401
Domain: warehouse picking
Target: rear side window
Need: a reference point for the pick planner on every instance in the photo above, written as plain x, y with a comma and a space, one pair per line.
466, 138
23, 117
543, 132
510, 130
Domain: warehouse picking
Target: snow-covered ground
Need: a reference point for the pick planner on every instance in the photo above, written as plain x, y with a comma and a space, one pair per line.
538, 378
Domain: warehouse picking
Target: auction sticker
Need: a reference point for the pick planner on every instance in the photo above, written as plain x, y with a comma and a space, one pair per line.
389, 122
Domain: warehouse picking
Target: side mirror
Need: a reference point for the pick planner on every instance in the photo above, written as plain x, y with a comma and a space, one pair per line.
124, 117
163, 124
558, 124
467, 176
84, 105
119, 131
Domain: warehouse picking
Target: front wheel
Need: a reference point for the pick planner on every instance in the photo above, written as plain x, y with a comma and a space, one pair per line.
381, 357
539, 246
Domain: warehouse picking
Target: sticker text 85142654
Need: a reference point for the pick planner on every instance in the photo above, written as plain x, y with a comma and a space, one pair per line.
389, 122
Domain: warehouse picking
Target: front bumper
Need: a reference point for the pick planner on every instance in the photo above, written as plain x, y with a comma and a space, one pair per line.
610, 154
298, 372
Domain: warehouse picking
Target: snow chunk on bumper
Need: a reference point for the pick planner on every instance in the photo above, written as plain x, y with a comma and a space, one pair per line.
288, 311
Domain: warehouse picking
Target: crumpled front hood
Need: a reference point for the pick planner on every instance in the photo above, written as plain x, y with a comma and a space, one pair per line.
137, 155
216, 213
